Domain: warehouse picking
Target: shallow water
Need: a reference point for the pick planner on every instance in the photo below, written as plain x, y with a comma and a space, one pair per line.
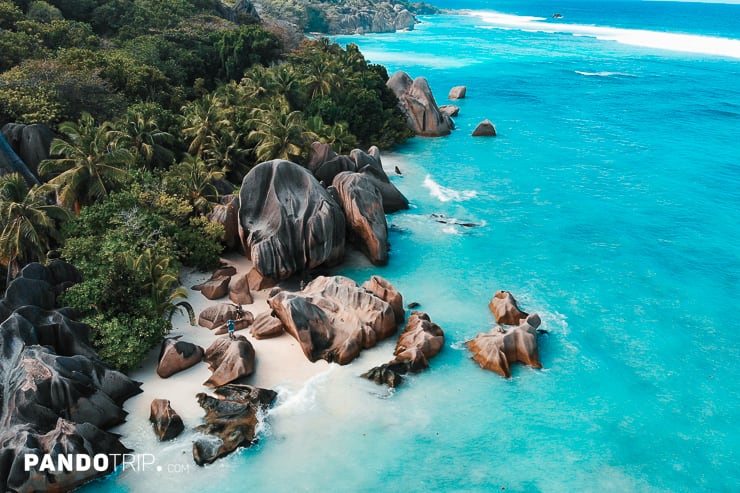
608, 204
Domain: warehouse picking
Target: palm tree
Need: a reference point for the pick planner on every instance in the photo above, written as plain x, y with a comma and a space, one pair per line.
160, 281
91, 164
28, 224
278, 134
205, 120
143, 135
195, 178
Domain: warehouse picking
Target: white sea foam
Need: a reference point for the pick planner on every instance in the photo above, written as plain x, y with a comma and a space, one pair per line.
415, 58
292, 403
603, 74
445, 194
691, 43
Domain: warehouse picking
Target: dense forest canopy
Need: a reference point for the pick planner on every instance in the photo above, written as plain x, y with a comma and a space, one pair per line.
159, 110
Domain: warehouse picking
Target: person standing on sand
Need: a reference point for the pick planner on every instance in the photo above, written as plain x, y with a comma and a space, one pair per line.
230, 327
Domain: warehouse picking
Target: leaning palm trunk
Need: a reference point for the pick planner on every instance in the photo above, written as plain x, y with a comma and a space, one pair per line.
9, 159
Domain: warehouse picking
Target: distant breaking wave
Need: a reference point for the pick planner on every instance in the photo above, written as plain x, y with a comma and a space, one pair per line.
445, 194
690, 43
603, 74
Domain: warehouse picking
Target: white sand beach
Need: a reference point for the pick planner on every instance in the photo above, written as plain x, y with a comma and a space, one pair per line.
279, 363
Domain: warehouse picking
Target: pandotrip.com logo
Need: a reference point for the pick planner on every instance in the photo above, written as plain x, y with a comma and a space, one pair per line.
138, 463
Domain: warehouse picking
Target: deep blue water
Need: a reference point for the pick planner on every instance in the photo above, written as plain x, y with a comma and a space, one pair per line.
609, 204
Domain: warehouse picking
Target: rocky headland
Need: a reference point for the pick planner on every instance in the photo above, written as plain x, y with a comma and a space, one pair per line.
58, 397
357, 17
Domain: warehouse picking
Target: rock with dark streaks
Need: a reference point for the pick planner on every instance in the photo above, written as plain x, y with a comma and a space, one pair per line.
229, 360
230, 421
332, 318
290, 223
363, 208
266, 326
383, 289
239, 292
420, 341
166, 422
176, 355
417, 102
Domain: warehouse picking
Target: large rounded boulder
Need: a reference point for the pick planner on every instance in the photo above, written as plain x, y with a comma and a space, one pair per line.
363, 208
417, 102
333, 318
289, 221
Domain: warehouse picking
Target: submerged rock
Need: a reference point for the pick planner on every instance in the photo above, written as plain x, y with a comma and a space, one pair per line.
332, 318
290, 223
498, 349
450, 109
457, 92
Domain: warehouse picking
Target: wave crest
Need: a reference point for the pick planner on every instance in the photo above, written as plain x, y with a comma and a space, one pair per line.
690, 43
445, 194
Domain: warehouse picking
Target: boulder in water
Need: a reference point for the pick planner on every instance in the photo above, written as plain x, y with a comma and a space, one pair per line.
418, 104
499, 348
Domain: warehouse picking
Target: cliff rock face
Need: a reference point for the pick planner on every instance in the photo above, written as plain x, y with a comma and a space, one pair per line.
333, 318
363, 208
58, 397
383, 18
418, 104
290, 223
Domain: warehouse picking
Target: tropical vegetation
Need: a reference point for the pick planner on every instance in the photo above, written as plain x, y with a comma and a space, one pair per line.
160, 109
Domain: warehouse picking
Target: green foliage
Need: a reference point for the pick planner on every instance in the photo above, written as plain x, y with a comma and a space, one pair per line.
9, 14
194, 179
18, 46
91, 164
123, 340
59, 34
243, 47
28, 223
43, 12
129, 249
49, 91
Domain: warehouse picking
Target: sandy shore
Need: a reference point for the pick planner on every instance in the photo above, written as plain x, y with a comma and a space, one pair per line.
279, 363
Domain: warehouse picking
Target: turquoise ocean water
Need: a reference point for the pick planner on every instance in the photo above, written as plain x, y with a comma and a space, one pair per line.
609, 204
